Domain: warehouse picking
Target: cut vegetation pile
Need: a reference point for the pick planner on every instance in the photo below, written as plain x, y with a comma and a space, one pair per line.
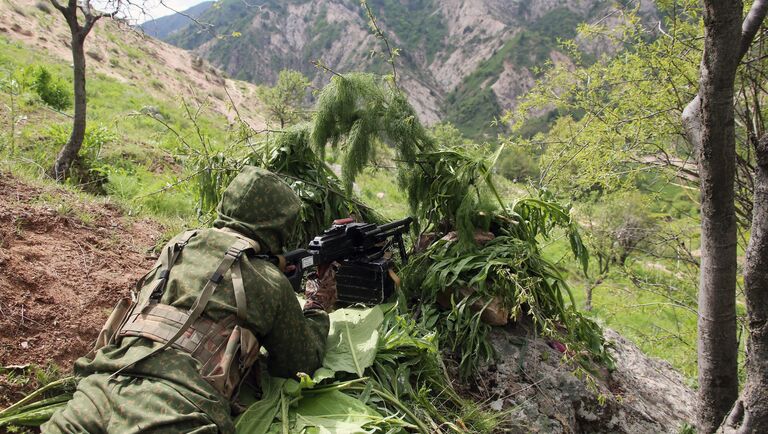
450, 192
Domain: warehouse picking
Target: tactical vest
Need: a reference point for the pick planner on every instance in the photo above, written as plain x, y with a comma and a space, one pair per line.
225, 350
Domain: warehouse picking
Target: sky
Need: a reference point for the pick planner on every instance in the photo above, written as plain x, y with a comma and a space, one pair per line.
157, 9
154, 8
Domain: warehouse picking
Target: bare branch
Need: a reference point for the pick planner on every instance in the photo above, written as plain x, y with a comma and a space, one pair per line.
751, 24
58, 6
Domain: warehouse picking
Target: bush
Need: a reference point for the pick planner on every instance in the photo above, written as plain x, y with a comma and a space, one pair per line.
517, 165
621, 224
53, 91
43, 6
90, 170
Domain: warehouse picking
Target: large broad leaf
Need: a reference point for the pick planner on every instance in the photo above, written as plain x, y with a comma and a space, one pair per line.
352, 340
259, 415
333, 412
351, 347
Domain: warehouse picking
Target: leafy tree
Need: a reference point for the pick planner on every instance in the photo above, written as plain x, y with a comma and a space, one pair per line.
284, 101
619, 225
81, 16
447, 134
625, 122
709, 121
619, 117
517, 164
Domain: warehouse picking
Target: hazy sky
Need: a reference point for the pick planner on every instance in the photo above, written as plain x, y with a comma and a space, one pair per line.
154, 8
157, 10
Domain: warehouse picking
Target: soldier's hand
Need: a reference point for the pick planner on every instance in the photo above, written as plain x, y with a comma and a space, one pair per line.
320, 290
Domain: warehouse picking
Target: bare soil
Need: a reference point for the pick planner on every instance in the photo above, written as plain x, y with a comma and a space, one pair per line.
64, 263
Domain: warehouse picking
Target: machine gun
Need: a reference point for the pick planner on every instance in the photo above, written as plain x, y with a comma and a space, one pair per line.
364, 252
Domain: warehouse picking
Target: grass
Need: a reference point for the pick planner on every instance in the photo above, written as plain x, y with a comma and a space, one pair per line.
379, 189
136, 154
640, 313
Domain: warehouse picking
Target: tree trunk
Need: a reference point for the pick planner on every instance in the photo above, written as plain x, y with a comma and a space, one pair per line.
69, 153
750, 414
590, 290
709, 122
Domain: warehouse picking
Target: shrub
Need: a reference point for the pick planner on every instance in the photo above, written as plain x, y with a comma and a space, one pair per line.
516, 164
43, 6
53, 91
90, 170
620, 224
95, 55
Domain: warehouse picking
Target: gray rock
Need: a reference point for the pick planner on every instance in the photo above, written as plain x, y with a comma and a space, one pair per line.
542, 394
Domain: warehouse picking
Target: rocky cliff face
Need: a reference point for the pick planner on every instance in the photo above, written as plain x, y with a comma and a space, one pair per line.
461, 60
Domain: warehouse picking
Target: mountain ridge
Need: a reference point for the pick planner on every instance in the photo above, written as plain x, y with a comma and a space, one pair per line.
163, 27
461, 61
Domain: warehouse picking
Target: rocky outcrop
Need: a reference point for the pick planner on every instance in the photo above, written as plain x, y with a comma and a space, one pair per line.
543, 394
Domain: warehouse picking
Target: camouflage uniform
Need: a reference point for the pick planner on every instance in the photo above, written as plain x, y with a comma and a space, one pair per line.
165, 392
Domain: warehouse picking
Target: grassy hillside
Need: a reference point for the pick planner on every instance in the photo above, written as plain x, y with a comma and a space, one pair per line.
142, 97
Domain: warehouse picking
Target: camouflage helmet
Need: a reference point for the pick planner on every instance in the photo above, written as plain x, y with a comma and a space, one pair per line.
259, 205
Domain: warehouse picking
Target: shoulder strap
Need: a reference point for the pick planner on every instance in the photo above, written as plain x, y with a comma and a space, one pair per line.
237, 276
239, 289
167, 260
232, 256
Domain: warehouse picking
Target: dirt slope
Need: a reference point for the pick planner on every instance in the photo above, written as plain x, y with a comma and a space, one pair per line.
64, 263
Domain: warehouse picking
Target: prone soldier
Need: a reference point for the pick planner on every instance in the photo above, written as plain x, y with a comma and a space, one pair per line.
173, 359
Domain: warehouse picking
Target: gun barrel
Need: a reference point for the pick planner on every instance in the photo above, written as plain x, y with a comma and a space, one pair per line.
396, 224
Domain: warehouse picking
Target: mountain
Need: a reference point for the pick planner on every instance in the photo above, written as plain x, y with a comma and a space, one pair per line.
163, 27
465, 61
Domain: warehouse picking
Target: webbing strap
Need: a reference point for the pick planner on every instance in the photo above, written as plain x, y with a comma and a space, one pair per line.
239, 289
171, 254
159, 322
237, 275
233, 254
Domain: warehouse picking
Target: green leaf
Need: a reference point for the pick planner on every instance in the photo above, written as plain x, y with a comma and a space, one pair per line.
257, 418
334, 412
352, 339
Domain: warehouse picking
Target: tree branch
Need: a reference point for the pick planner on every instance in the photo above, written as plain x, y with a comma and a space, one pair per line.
58, 6
749, 28
89, 22
751, 25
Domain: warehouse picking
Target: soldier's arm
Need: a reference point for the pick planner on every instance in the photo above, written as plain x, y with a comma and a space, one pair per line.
296, 342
